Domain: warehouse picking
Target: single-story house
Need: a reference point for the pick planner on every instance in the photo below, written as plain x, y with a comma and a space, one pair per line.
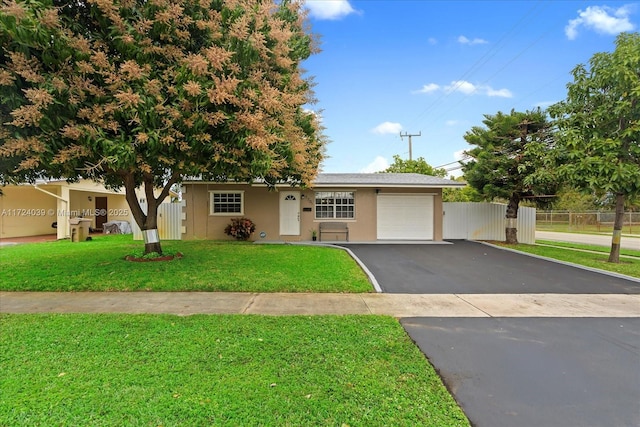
371, 206
46, 207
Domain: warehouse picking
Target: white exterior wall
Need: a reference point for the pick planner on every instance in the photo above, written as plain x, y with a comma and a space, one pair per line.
485, 221
170, 218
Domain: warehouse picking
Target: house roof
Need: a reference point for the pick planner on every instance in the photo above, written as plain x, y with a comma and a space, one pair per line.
363, 180
414, 180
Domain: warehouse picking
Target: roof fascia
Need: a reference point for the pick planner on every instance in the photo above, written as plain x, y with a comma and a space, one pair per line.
332, 185
389, 185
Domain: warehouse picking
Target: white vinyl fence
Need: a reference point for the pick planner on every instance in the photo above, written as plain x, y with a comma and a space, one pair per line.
169, 222
485, 221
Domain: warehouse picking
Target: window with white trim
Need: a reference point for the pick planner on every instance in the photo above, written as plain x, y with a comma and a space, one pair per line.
226, 203
335, 205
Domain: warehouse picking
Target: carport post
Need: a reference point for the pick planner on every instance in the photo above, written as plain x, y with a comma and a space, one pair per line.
62, 207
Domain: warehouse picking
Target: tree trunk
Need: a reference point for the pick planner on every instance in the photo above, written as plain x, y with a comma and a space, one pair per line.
147, 221
614, 255
511, 232
150, 228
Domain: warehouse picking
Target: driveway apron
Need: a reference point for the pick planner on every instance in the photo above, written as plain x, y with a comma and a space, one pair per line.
537, 372
521, 372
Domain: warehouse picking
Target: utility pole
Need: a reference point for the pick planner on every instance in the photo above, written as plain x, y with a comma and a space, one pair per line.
409, 136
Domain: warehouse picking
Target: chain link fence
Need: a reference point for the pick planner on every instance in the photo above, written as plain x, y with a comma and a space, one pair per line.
592, 221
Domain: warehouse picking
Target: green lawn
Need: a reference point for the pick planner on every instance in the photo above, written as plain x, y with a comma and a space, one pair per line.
627, 266
99, 265
149, 370
594, 248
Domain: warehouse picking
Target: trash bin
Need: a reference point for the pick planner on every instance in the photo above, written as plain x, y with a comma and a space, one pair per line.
79, 229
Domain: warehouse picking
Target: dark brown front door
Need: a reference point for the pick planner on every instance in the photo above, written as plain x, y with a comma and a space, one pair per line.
101, 212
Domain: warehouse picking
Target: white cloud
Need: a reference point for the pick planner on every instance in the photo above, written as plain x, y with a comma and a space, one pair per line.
466, 88
500, 93
462, 86
603, 20
469, 88
451, 122
464, 40
460, 155
387, 128
431, 87
432, 41
377, 165
329, 9
455, 169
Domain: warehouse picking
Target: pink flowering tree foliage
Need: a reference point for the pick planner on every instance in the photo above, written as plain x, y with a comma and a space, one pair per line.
145, 93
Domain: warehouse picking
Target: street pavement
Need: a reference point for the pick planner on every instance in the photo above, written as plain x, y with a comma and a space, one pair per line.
589, 239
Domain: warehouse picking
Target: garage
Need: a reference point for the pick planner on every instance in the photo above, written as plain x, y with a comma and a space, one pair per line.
405, 216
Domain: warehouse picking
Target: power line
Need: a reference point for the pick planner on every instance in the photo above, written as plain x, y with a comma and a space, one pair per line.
447, 164
519, 54
480, 62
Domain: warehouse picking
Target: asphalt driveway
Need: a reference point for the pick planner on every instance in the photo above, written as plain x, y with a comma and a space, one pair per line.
537, 372
525, 372
470, 267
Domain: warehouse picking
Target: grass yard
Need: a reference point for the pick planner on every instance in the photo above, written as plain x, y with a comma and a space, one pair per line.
99, 265
594, 248
147, 370
627, 266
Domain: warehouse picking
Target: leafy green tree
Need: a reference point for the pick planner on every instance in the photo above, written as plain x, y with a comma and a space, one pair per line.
571, 199
599, 128
510, 150
418, 165
144, 93
465, 194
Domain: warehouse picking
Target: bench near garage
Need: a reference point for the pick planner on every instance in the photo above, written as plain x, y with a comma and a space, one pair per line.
334, 227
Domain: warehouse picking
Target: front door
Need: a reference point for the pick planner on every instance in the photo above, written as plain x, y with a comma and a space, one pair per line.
101, 212
289, 213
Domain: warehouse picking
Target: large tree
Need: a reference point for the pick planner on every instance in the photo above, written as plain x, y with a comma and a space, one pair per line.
509, 152
464, 194
599, 127
143, 93
418, 165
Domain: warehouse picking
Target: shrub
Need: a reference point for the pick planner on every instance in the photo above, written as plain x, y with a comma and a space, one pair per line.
240, 228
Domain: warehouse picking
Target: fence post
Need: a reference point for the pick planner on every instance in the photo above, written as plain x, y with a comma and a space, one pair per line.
570, 222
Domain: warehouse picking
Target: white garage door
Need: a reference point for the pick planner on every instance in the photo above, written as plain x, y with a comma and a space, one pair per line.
405, 216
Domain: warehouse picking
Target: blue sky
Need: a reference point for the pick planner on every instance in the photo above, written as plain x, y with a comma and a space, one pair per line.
435, 67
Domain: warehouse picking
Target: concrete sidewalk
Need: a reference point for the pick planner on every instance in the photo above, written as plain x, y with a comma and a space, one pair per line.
397, 305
